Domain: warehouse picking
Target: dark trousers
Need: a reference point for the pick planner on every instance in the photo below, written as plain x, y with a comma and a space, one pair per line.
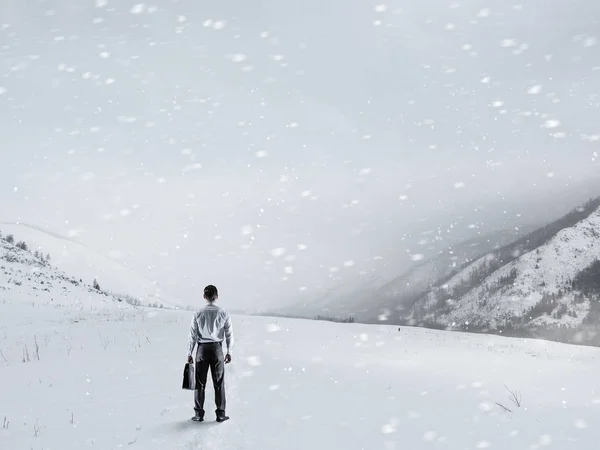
210, 356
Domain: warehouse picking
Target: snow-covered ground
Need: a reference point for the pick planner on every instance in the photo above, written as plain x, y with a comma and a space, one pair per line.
110, 378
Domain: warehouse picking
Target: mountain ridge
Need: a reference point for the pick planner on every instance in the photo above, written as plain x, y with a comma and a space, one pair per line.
542, 284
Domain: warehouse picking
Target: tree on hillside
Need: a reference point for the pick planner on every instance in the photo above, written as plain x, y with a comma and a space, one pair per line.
10, 239
22, 245
37, 254
47, 257
96, 285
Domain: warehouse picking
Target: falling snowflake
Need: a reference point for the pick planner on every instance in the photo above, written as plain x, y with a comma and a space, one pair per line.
239, 57
552, 123
508, 43
138, 8
429, 436
254, 361
276, 252
273, 327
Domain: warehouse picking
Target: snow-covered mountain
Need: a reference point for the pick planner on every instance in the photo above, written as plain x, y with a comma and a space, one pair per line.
26, 277
87, 264
380, 295
549, 278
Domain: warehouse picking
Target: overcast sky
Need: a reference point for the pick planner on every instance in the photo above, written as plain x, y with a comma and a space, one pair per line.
276, 148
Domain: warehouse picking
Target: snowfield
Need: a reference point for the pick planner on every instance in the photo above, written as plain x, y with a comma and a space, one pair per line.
110, 377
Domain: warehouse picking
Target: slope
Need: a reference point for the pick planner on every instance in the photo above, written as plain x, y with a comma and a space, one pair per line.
383, 295
26, 280
536, 281
88, 265
103, 382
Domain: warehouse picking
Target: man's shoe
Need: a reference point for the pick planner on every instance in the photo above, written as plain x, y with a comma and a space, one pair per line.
222, 417
198, 418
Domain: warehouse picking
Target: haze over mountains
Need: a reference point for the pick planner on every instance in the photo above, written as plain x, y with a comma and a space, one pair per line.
545, 283
269, 143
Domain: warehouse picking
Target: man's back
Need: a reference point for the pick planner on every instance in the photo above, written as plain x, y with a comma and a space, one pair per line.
213, 325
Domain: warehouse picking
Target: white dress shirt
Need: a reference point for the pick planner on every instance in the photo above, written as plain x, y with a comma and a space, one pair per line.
211, 324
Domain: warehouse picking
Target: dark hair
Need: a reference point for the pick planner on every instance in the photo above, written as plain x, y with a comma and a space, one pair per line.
210, 292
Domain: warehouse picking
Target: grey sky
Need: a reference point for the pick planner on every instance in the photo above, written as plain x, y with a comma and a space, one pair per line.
197, 137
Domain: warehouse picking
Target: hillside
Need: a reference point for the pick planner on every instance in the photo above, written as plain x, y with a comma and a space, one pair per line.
381, 296
88, 265
546, 283
26, 278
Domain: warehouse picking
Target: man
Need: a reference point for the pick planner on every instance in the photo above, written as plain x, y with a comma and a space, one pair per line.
209, 327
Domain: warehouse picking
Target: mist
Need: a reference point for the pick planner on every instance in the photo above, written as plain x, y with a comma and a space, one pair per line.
278, 149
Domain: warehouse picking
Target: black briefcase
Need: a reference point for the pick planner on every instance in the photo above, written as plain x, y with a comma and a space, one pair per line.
189, 377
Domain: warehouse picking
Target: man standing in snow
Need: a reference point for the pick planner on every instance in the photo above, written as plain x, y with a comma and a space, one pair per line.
209, 327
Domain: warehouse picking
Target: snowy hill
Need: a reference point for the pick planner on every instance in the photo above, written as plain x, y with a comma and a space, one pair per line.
381, 295
548, 278
88, 265
108, 382
28, 278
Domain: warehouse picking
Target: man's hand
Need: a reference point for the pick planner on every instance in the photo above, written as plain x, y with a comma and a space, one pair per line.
227, 358
190, 360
